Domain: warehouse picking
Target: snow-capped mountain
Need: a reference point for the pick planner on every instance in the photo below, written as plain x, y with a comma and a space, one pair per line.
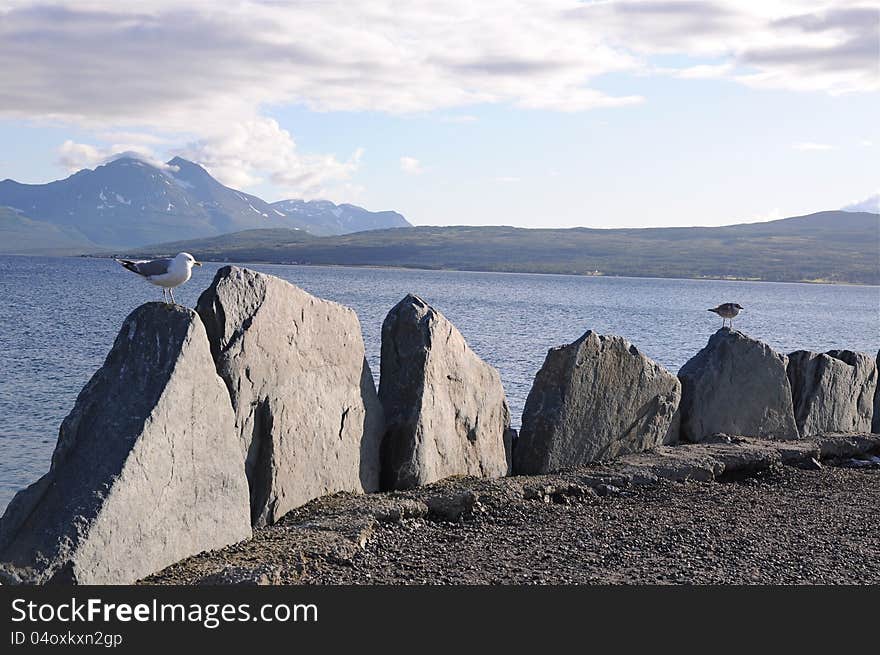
129, 202
323, 217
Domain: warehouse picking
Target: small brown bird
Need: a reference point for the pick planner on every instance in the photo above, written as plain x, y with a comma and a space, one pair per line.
727, 311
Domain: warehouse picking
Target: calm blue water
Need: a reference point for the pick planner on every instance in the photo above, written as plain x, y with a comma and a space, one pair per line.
60, 316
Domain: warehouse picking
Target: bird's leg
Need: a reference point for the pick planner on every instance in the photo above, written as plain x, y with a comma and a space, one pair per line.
171, 291
164, 295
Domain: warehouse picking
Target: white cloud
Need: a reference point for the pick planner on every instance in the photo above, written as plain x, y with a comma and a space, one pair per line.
76, 156
259, 150
869, 204
773, 215
241, 155
507, 179
801, 45
811, 146
166, 64
411, 165
160, 71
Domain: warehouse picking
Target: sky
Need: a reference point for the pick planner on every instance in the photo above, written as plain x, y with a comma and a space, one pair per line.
540, 113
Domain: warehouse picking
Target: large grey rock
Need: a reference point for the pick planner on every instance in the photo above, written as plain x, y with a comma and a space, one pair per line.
832, 392
875, 421
736, 385
306, 408
595, 399
445, 408
146, 470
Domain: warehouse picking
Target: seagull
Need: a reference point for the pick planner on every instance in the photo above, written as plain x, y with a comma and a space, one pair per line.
727, 311
165, 273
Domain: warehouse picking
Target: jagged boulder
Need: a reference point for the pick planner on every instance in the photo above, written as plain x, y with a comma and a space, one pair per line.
875, 421
146, 470
832, 392
736, 385
305, 404
445, 409
595, 399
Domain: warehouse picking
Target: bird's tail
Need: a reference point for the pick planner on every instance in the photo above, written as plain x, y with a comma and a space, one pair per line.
130, 265
708, 310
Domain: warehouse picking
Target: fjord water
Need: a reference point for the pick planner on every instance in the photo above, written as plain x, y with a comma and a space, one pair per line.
60, 316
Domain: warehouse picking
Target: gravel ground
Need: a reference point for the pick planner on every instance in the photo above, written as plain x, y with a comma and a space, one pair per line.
783, 525
786, 526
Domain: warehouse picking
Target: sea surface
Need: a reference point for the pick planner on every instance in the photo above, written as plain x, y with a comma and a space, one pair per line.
60, 316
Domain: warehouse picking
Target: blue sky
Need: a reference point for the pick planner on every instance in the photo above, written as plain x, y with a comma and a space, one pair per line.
541, 114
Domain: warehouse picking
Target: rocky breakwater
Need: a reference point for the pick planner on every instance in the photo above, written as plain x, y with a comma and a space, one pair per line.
736, 385
202, 424
307, 415
594, 400
833, 391
147, 468
445, 408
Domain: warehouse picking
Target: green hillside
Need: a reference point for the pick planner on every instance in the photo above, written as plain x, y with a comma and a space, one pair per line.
21, 236
830, 246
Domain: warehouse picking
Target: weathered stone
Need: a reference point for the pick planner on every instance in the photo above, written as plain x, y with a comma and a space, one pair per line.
723, 456
349, 529
595, 399
453, 507
837, 446
548, 492
678, 463
146, 470
875, 421
736, 385
305, 404
445, 408
832, 392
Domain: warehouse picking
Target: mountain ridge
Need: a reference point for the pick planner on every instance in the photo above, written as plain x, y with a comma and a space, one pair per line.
831, 246
128, 202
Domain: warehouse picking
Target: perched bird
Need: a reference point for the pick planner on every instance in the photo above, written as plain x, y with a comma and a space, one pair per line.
727, 311
165, 273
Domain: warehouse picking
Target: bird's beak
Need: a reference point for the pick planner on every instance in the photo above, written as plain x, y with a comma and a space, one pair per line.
197, 263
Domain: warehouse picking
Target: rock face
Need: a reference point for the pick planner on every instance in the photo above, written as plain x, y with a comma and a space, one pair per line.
736, 385
832, 392
306, 408
595, 399
445, 408
875, 421
146, 470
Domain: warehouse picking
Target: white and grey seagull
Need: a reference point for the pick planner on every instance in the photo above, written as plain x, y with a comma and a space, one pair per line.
727, 311
167, 273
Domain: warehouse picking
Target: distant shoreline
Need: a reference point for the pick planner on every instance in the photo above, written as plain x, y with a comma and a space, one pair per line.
471, 270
